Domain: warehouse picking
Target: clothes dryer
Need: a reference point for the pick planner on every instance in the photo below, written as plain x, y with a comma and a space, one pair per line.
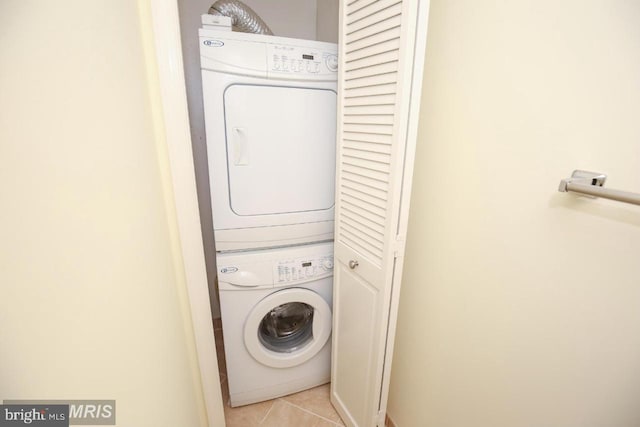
276, 320
270, 117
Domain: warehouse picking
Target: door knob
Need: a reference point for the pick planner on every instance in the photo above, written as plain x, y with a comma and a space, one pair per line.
353, 264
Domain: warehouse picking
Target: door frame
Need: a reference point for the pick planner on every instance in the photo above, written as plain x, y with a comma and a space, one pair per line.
413, 119
166, 73
169, 73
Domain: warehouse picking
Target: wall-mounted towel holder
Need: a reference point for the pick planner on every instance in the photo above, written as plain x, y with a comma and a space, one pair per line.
591, 183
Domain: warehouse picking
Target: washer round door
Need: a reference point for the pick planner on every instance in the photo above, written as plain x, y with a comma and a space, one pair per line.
287, 328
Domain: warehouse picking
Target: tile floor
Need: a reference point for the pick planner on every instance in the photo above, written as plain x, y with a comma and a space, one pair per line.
309, 408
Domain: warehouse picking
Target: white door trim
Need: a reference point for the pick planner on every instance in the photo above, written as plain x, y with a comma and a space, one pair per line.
377, 128
417, 77
174, 121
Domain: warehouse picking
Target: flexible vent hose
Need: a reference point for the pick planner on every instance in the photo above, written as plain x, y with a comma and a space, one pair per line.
243, 18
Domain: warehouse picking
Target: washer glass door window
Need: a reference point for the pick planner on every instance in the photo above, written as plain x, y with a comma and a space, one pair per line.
288, 327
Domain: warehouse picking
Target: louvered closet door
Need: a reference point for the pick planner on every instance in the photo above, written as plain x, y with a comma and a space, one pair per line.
381, 56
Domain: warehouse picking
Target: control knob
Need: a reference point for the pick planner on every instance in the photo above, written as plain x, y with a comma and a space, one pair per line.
332, 62
328, 264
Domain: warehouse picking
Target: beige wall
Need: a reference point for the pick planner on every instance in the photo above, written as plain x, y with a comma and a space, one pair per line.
519, 305
91, 306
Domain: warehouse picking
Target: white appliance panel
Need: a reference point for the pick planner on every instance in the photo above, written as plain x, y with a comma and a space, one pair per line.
272, 180
253, 282
278, 58
280, 149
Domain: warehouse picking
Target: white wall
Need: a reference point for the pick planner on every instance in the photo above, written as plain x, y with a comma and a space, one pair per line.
286, 18
519, 305
91, 304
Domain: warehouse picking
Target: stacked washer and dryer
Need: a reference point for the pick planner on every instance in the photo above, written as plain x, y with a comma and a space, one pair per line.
270, 115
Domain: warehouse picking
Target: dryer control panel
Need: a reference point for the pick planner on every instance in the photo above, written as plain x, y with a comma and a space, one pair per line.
302, 269
287, 60
270, 57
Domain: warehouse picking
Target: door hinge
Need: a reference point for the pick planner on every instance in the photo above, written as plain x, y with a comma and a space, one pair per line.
399, 245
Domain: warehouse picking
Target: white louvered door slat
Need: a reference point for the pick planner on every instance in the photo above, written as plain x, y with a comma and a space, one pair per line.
374, 70
374, 8
379, 14
380, 58
389, 23
381, 47
375, 139
385, 89
372, 50
381, 37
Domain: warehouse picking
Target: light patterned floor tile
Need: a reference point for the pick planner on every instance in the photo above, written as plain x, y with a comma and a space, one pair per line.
316, 400
247, 416
284, 415
325, 423
309, 408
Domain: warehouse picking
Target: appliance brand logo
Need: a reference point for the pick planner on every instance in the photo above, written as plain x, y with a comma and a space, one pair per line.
213, 43
226, 270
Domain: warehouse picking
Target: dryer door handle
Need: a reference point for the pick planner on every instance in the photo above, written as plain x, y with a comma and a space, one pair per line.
242, 285
240, 143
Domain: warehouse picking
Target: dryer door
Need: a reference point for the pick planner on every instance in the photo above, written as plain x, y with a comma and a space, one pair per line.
288, 327
280, 149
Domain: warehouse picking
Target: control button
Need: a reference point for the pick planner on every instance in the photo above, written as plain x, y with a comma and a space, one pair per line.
332, 62
328, 264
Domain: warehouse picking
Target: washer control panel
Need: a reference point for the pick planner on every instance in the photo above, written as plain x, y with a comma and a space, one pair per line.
302, 269
301, 62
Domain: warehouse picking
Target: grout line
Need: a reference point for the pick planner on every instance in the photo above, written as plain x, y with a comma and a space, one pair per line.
309, 412
273, 401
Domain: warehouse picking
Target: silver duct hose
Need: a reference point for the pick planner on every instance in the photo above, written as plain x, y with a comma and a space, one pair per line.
243, 18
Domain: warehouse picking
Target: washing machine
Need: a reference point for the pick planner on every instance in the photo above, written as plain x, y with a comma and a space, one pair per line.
276, 309
270, 121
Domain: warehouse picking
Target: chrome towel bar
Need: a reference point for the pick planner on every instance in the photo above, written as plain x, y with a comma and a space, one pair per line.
590, 183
